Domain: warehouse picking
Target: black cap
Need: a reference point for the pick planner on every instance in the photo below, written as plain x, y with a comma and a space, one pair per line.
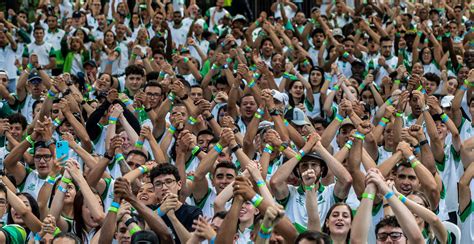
311, 157
434, 10
34, 77
145, 236
76, 14
91, 63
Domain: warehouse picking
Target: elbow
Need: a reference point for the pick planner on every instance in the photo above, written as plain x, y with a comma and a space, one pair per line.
100, 217
347, 181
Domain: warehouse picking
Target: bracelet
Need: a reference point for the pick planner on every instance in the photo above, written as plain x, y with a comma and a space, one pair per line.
389, 195
301, 152
424, 142
218, 147
51, 180
195, 150
264, 229
349, 144
263, 235
411, 158
260, 183
361, 86
66, 180
402, 198
61, 189
310, 188
112, 120
119, 157
127, 102
339, 117
57, 231
359, 136
171, 96
368, 196
336, 88
212, 240
29, 140
257, 115
256, 200
268, 148
38, 237
398, 114
385, 120
172, 129
186, 60
417, 150
298, 157
396, 82
286, 123
143, 169
139, 144
192, 120
235, 148
414, 164
283, 147
463, 88
160, 213
251, 84
57, 122
135, 229
115, 204
383, 124
444, 118
113, 209
162, 74
130, 221
389, 101
51, 94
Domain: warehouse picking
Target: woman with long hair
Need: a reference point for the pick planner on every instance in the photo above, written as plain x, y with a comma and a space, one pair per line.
338, 223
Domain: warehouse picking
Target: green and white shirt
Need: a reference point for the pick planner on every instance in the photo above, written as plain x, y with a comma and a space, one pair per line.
466, 221
448, 172
207, 203
14, 234
32, 183
295, 204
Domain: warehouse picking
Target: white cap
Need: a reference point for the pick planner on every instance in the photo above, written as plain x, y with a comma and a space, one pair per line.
447, 101
282, 97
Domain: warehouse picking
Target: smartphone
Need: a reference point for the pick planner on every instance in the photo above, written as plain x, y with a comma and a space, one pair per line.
62, 150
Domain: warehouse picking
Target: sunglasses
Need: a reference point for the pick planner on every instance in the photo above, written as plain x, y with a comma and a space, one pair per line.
394, 236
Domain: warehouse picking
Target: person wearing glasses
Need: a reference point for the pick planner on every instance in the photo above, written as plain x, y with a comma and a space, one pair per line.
178, 216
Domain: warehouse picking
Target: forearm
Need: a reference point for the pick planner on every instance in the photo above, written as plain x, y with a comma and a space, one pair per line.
109, 226
154, 222
183, 233
312, 209
97, 171
230, 223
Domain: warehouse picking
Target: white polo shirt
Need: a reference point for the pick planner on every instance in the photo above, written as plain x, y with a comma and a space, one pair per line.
7, 61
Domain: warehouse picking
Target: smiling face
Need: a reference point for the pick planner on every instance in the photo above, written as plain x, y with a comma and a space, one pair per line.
406, 180
339, 221
146, 194
223, 177
248, 106
297, 89
247, 212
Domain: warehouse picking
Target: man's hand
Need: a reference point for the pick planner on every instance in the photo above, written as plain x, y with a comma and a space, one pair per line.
433, 103
170, 202
145, 132
243, 188
122, 188
389, 111
416, 131
405, 136
365, 127
112, 95
203, 228
405, 148
309, 177
273, 215
227, 135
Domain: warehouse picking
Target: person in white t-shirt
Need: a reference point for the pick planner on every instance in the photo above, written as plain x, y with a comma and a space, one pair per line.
215, 14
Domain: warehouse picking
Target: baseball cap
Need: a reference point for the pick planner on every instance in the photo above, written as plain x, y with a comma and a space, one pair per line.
4, 72
337, 32
76, 14
145, 237
91, 63
280, 96
200, 22
311, 157
447, 101
239, 17
297, 117
345, 122
34, 77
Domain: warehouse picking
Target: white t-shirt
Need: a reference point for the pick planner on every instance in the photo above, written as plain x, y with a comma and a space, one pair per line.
217, 16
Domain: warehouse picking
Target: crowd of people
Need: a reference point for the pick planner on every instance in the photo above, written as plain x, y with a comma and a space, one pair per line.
155, 121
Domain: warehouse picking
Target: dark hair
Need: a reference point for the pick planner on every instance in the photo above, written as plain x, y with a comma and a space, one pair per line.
387, 221
67, 235
433, 77
38, 27
316, 236
325, 228
319, 120
18, 118
79, 225
384, 39
33, 204
145, 235
402, 164
134, 70
39, 145
227, 165
316, 31
36, 103
291, 101
138, 152
164, 169
205, 132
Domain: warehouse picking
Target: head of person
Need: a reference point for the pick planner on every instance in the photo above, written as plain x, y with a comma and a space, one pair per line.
418, 68
248, 106
338, 221
35, 83
154, 93
109, 38
469, 58
146, 194
452, 85
15, 218
196, 93
38, 33
104, 83
165, 179
145, 236
420, 198
386, 46
319, 124
42, 158
37, 107
122, 235
296, 92
136, 158
278, 62
224, 174
248, 212
463, 73
177, 17
18, 125
66, 238
179, 112
388, 230
389, 135
267, 47
52, 21
222, 85
217, 220
426, 55
406, 180
3, 200
416, 108
344, 132
134, 77
318, 37
440, 126
311, 161
431, 84
204, 138
348, 43
83, 218
312, 237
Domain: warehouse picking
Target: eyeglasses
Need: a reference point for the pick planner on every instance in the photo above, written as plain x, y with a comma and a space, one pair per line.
46, 157
168, 183
394, 236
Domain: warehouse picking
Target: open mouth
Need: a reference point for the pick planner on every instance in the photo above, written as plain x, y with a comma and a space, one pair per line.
144, 197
